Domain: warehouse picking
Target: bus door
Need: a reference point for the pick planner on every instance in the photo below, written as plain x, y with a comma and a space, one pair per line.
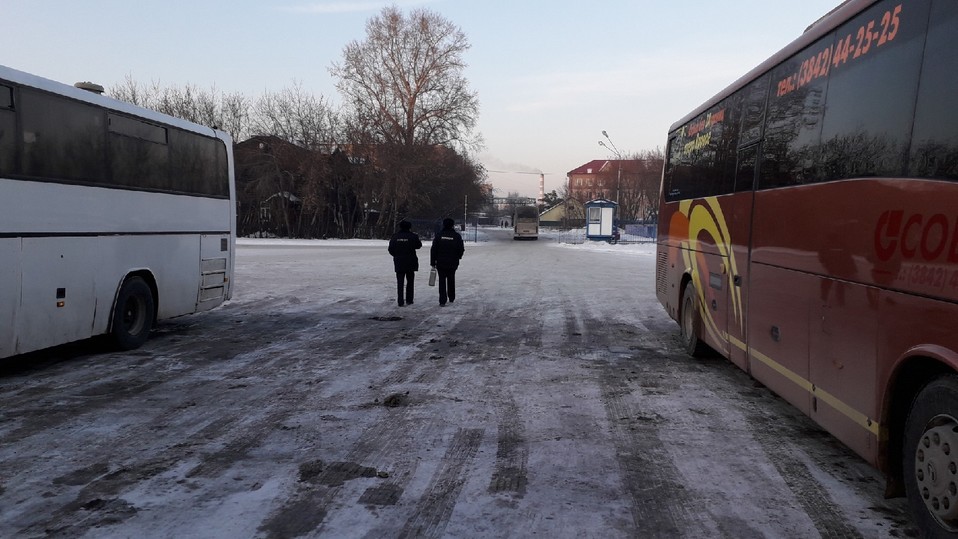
713, 291
706, 258
739, 217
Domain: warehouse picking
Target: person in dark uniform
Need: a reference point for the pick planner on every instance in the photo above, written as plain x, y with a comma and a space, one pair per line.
403, 247
447, 249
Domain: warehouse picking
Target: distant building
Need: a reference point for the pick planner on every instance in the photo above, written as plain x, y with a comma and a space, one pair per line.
265, 183
597, 179
622, 181
565, 214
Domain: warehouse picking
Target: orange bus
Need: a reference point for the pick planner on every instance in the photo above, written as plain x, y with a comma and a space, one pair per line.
808, 231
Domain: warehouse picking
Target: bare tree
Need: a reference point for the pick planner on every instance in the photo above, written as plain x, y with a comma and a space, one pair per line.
649, 182
295, 116
229, 112
235, 115
639, 193
406, 83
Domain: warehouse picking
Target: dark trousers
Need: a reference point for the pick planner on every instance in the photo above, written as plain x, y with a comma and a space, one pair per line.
447, 285
408, 277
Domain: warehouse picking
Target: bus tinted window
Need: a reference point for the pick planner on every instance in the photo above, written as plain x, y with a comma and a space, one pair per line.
745, 173
677, 170
62, 139
139, 164
527, 212
702, 153
726, 121
6, 97
194, 165
130, 127
8, 147
754, 96
8, 130
871, 91
139, 155
934, 147
222, 171
791, 152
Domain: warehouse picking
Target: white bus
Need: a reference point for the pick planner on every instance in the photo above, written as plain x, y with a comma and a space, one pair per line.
525, 223
111, 216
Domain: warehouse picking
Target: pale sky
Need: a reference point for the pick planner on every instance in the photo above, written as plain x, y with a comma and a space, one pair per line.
551, 75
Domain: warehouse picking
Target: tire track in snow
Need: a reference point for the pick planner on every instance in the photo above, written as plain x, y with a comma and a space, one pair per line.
439, 500
660, 504
384, 445
306, 508
512, 450
811, 495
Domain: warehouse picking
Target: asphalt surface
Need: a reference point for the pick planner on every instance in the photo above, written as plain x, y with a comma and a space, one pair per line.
552, 400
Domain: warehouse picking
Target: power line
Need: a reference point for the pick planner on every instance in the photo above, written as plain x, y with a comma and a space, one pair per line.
517, 172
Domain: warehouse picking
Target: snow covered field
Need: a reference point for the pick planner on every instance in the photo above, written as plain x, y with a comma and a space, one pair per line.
552, 399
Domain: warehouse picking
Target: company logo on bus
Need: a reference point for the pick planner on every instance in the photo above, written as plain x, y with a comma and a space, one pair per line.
915, 235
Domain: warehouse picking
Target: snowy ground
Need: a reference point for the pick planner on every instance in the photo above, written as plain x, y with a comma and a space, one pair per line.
552, 399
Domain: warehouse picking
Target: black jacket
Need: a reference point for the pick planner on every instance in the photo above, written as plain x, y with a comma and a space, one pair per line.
447, 249
403, 247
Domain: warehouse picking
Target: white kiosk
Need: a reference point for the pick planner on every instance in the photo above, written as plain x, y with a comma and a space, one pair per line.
600, 219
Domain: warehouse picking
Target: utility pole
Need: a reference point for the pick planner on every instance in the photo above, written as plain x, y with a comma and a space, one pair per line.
465, 212
618, 179
618, 156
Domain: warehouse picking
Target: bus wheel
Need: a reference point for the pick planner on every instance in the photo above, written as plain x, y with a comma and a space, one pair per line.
691, 323
931, 458
133, 314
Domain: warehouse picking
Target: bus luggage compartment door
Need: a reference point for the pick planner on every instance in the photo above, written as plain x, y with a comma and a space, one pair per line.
778, 326
57, 274
9, 294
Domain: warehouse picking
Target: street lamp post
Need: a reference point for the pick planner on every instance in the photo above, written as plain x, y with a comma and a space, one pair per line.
611, 147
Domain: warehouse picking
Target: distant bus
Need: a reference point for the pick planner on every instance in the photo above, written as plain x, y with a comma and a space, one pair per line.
525, 223
808, 231
111, 216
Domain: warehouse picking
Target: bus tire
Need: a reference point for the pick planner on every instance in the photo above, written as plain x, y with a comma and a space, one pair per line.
690, 324
132, 315
930, 461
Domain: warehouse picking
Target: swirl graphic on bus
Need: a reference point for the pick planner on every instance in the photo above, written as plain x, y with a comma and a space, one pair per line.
699, 225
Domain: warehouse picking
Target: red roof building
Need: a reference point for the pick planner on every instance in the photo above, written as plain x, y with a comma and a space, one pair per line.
632, 183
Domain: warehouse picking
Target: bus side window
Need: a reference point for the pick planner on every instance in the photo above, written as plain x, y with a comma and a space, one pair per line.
62, 139
866, 137
753, 112
725, 140
793, 126
139, 154
8, 131
745, 172
934, 144
195, 167
678, 171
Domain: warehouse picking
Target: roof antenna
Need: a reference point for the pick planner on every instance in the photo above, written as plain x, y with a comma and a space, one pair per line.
90, 87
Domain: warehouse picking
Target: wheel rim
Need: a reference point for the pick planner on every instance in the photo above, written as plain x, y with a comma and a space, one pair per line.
134, 313
936, 470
